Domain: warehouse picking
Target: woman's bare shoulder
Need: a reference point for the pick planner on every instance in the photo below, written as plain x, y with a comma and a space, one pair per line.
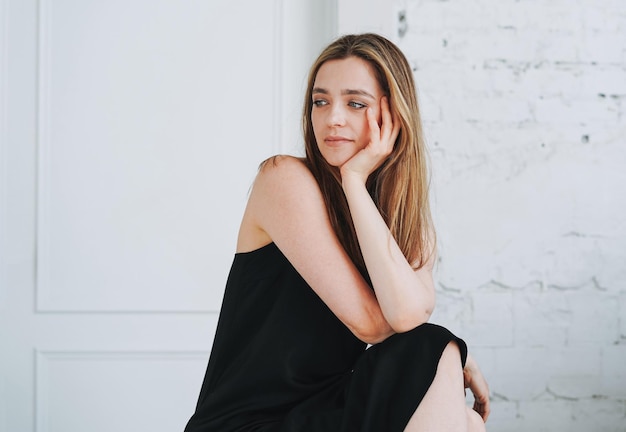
283, 189
287, 182
283, 165
284, 178
287, 207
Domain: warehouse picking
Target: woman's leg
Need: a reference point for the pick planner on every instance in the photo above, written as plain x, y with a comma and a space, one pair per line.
443, 407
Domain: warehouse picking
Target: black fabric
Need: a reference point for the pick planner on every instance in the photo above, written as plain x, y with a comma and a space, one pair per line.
282, 361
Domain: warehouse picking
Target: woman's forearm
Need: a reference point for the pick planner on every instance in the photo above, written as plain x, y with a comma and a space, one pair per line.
406, 296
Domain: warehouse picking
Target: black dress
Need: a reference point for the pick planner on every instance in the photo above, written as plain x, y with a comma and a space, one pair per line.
282, 361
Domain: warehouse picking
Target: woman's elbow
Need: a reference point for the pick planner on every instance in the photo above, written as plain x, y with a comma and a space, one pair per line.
403, 324
409, 318
372, 338
373, 331
378, 326
374, 334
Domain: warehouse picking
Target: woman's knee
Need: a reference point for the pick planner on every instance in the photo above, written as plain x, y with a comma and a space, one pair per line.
451, 359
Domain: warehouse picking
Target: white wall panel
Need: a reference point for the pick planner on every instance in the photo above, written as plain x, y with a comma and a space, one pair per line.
360, 16
4, 33
4, 36
116, 391
130, 133
141, 148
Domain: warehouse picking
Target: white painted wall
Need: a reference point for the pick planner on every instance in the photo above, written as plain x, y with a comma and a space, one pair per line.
130, 133
360, 16
524, 105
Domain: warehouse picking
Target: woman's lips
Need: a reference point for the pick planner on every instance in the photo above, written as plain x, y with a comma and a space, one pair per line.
336, 140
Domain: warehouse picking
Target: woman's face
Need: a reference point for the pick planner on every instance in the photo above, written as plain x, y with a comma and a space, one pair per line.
342, 92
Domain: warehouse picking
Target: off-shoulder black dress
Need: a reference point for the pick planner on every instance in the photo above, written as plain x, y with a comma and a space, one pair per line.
282, 361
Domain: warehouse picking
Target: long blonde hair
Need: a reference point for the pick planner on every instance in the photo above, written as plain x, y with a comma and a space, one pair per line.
399, 187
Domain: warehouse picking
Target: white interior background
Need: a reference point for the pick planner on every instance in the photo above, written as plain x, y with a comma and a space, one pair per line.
524, 104
130, 133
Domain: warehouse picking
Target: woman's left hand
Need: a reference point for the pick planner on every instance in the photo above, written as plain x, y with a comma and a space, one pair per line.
382, 140
475, 381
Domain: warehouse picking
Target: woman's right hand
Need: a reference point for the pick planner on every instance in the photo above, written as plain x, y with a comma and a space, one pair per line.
380, 146
475, 381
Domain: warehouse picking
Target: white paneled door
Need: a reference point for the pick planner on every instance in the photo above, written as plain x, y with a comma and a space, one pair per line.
130, 133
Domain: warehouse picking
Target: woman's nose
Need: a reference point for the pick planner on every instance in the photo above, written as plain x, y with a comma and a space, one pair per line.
337, 116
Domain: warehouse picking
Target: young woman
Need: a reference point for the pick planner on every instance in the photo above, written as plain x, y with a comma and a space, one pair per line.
336, 251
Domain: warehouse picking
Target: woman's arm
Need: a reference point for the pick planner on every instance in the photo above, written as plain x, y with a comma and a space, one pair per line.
406, 296
475, 381
286, 206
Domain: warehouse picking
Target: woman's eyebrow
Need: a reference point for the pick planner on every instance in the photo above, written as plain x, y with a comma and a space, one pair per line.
357, 92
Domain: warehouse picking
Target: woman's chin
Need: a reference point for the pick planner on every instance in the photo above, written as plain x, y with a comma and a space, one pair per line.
333, 163
337, 160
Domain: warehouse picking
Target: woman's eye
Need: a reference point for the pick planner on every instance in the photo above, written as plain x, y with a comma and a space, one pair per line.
357, 105
319, 102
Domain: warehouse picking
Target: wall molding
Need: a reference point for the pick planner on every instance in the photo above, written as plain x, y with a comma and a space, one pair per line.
42, 269
4, 89
43, 359
278, 146
44, 296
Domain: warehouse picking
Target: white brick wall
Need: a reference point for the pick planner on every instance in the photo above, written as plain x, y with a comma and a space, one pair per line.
524, 103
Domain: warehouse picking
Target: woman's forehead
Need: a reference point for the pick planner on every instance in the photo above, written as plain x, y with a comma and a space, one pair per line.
351, 73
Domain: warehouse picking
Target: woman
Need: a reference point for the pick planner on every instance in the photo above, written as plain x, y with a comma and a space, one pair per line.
335, 251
